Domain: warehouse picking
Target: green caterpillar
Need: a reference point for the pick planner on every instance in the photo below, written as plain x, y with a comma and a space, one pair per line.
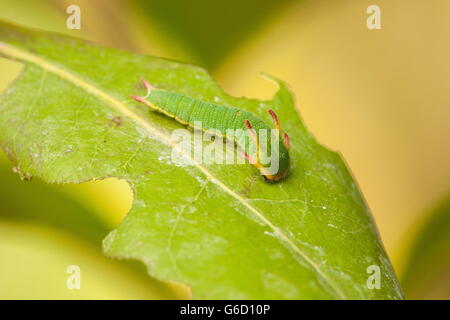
218, 119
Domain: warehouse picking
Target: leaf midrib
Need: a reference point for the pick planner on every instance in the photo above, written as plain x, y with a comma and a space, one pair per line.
22, 55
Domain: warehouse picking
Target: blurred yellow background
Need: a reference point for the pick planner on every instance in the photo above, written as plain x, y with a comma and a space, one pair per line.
379, 97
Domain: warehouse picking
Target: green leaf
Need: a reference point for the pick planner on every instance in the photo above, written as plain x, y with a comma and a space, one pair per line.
220, 229
426, 273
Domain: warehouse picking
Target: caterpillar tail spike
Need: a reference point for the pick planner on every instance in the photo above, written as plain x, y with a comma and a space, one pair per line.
247, 157
149, 89
274, 118
138, 99
287, 141
147, 86
251, 131
255, 140
276, 122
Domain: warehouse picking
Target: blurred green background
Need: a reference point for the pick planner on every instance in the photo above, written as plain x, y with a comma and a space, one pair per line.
380, 97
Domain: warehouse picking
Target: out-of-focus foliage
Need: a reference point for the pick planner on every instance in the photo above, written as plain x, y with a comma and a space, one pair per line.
36, 203
43, 231
36, 257
198, 31
36, 14
427, 272
210, 30
102, 21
